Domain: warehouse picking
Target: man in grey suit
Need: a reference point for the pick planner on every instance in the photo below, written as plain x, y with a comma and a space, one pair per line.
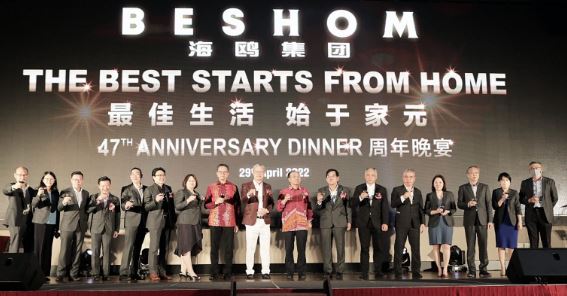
19, 195
73, 204
135, 217
333, 208
157, 199
104, 209
539, 194
474, 199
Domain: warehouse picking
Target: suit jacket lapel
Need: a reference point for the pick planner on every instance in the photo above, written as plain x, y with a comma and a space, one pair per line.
74, 197
530, 187
542, 188
338, 198
137, 193
471, 191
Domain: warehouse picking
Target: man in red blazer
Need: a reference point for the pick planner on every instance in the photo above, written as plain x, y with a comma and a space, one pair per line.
257, 202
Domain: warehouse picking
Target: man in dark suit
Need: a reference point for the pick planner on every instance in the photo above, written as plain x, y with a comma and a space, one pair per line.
158, 201
104, 209
474, 198
135, 230
19, 195
334, 211
410, 222
257, 203
539, 194
73, 225
370, 203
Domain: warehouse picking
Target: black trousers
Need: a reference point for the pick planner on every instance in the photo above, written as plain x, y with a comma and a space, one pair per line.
538, 226
471, 235
135, 263
290, 238
365, 234
43, 241
403, 234
163, 250
226, 235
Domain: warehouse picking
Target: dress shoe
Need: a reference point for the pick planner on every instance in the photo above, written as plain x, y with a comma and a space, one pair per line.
195, 278
165, 277
47, 279
266, 276
339, 276
96, 278
398, 276
302, 276
104, 278
154, 277
74, 278
227, 276
471, 274
364, 276
123, 278
214, 277
289, 276
328, 275
136, 277
59, 279
249, 276
484, 274
379, 275
416, 275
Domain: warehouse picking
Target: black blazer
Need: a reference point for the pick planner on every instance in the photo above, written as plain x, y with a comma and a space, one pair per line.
378, 213
483, 208
43, 206
408, 215
17, 203
188, 213
432, 203
549, 197
137, 214
514, 208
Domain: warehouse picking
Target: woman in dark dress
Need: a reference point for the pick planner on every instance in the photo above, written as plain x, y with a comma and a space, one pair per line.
45, 219
188, 204
507, 218
440, 207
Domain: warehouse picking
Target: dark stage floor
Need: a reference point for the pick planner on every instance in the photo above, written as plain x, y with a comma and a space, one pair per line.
278, 281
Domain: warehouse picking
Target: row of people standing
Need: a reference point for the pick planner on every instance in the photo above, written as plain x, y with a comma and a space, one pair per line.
333, 204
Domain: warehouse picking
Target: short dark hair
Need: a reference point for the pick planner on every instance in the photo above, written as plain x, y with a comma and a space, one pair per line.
534, 162
154, 171
54, 186
102, 179
223, 165
184, 184
442, 179
332, 170
139, 170
77, 173
291, 172
504, 175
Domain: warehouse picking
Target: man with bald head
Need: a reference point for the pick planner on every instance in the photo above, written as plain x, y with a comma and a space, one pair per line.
19, 195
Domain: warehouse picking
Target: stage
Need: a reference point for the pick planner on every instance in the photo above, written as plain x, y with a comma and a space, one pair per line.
457, 284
